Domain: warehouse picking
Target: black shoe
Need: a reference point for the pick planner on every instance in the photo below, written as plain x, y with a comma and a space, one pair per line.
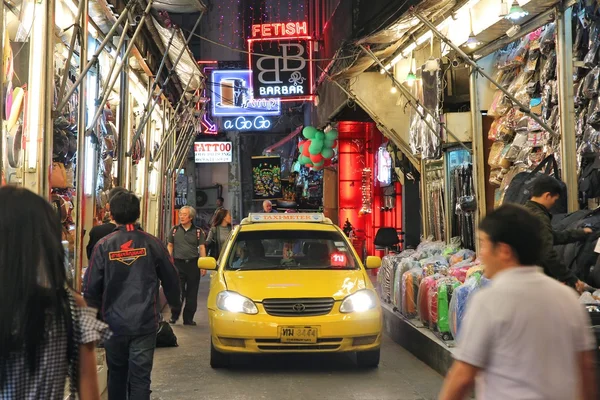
172, 321
191, 323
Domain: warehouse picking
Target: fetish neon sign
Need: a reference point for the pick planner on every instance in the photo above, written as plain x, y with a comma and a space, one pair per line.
280, 30
259, 123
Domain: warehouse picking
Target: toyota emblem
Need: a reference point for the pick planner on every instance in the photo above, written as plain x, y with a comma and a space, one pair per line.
299, 308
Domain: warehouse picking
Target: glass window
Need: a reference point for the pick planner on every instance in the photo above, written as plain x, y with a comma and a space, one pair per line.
287, 249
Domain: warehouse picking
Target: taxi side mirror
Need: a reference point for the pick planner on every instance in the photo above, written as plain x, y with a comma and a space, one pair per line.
373, 262
207, 263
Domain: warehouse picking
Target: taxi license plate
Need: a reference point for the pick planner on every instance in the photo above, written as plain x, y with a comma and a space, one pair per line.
298, 334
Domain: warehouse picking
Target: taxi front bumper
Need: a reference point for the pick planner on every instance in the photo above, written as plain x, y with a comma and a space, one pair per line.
261, 333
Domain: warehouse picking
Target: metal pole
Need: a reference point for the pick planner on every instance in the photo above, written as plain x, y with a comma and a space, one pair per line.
47, 88
172, 129
123, 126
564, 51
178, 147
76, 32
480, 70
124, 61
109, 35
2, 38
113, 64
156, 98
80, 205
185, 153
146, 191
478, 159
410, 97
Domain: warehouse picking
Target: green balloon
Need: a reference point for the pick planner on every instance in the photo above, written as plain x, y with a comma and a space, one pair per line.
320, 136
309, 132
319, 164
327, 152
332, 134
328, 144
315, 147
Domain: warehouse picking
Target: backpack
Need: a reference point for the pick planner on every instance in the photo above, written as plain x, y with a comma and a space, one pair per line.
165, 337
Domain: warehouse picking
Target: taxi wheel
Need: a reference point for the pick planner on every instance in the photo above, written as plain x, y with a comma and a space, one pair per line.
218, 359
368, 359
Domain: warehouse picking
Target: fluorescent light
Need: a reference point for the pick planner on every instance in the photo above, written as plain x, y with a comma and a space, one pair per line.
153, 185
35, 121
424, 38
90, 166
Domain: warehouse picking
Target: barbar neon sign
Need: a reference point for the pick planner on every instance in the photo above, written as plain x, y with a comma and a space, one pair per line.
232, 95
280, 30
259, 123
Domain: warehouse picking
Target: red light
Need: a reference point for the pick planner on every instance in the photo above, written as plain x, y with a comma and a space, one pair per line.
207, 62
338, 260
279, 29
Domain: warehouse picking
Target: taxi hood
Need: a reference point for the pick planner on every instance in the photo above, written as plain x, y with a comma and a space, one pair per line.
259, 285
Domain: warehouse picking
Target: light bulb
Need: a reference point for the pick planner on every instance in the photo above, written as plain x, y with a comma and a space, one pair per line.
382, 71
394, 89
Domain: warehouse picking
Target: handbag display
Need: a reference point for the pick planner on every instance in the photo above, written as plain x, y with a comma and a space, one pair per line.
58, 176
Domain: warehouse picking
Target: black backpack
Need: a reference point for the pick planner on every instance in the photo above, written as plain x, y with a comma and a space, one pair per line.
165, 337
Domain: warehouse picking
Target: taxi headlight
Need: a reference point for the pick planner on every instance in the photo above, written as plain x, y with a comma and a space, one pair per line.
361, 301
236, 303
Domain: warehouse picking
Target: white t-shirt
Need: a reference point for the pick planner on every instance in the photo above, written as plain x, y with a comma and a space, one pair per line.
525, 331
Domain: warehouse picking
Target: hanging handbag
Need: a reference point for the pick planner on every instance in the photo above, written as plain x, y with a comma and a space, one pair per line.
519, 189
213, 245
58, 176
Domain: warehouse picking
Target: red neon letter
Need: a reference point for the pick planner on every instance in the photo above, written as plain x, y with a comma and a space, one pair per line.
255, 30
301, 28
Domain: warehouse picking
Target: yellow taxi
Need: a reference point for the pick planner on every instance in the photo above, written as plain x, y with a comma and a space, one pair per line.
292, 283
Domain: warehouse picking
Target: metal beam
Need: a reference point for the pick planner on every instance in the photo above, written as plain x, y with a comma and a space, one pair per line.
186, 149
411, 98
123, 127
124, 60
76, 32
63, 101
480, 70
478, 158
568, 141
149, 110
180, 146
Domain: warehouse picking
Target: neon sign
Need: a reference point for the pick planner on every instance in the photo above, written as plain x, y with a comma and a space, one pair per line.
259, 123
282, 65
232, 96
280, 29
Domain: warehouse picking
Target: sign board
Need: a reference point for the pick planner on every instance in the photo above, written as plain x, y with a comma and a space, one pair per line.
266, 178
232, 95
213, 152
297, 217
280, 55
258, 123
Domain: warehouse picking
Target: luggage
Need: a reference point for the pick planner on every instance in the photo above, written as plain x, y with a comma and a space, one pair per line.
445, 290
165, 337
410, 291
519, 189
460, 299
427, 300
385, 277
405, 265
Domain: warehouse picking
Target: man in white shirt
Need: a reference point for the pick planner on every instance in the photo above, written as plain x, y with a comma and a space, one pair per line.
525, 336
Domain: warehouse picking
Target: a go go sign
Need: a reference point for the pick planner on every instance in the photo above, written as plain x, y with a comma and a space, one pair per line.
258, 123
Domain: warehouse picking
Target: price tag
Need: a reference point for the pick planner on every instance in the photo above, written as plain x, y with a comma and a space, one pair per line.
338, 260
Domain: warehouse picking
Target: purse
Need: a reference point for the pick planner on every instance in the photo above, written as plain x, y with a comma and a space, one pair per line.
58, 176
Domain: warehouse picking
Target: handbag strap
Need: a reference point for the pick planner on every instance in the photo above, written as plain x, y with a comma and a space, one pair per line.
74, 338
548, 167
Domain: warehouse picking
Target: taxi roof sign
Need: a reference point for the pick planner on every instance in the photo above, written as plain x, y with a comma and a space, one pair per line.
291, 217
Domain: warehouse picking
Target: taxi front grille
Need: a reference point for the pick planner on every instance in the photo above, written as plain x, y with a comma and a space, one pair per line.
298, 307
299, 348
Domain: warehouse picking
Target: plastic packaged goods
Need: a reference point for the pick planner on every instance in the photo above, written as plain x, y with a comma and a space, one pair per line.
460, 300
459, 271
435, 265
411, 281
385, 276
495, 154
426, 288
397, 288
445, 291
462, 256
452, 247
478, 269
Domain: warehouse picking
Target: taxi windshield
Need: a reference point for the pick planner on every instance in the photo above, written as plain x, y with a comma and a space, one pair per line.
290, 249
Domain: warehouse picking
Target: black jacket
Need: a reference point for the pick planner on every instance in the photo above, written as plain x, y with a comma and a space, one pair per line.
97, 233
550, 261
123, 278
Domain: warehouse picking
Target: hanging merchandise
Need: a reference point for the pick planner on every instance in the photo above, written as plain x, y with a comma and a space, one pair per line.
424, 141
384, 166
318, 149
365, 190
434, 201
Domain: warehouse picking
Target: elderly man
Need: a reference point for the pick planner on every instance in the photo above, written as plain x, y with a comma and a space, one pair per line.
186, 244
268, 207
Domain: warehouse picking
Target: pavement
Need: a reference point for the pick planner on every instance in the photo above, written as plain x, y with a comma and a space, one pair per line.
184, 372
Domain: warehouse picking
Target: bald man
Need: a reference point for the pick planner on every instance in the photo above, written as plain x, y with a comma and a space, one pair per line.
268, 207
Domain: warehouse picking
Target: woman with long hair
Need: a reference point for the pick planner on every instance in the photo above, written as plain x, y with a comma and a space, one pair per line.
219, 232
46, 331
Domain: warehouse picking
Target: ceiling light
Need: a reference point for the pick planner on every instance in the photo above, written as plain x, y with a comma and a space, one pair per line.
472, 42
411, 78
382, 71
394, 89
516, 12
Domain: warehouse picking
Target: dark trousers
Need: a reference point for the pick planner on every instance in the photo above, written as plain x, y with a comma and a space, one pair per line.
189, 276
129, 360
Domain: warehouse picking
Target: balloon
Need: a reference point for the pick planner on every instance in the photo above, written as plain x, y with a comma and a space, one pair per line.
328, 143
335, 144
318, 167
308, 165
327, 163
305, 150
320, 163
332, 134
320, 136
302, 143
309, 132
316, 158
315, 147
327, 153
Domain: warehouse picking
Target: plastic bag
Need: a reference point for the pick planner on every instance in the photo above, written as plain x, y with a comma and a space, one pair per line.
518, 56
410, 290
460, 301
435, 265
547, 40
452, 247
549, 70
590, 83
495, 154
445, 289
459, 271
587, 298
462, 256
427, 289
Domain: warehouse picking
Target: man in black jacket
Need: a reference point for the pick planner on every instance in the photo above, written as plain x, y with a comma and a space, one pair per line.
125, 271
100, 231
545, 192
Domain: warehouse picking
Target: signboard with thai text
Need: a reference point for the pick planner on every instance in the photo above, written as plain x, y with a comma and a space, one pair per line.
213, 152
232, 96
281, 61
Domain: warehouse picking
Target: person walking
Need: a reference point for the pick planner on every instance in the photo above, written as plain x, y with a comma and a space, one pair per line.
526, 336
123, 277
219, 233
220, 202
186, 244
47, 331
545, 193
100, 231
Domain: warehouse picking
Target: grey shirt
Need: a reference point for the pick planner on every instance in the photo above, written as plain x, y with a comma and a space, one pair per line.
186, 243
524, 331
220, 234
